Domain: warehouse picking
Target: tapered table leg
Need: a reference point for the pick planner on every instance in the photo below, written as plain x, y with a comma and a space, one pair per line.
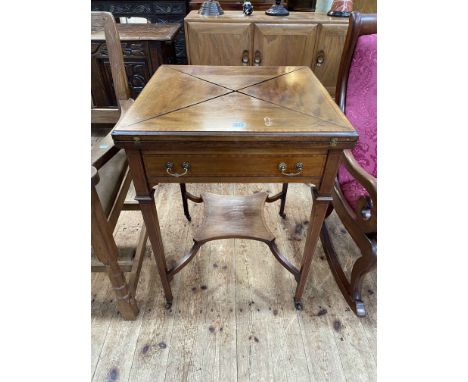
321, 200
150, 216
145, 197
107, 252
317, 216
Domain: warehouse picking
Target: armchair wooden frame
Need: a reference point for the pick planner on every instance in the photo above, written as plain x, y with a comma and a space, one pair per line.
361, 222
102, 223
105, 21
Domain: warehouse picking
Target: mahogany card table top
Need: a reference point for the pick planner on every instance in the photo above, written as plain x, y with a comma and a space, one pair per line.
199, 124
242, 102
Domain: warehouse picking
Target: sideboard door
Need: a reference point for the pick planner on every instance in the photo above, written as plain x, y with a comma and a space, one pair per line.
219, 43
284, 44
328, 54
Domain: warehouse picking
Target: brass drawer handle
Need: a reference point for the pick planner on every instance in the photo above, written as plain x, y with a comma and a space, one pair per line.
170, 166
320, 58
283, 167
257, 58
245, 58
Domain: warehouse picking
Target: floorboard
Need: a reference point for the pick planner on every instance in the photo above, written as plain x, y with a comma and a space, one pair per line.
233, 317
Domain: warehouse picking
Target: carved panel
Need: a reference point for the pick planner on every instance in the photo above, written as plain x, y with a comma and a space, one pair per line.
130, 49
167, 7
169, 11
138, 75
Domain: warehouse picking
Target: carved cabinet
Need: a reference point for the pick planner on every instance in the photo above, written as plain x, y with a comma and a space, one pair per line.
145, 47
155, 11
302, 38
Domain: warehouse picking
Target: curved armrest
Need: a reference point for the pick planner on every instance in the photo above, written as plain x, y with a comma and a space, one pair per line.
103, 151
362, 176
366, 180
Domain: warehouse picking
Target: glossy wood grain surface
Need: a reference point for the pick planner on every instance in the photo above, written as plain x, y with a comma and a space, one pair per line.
300, 91
238, 78
292, 103
234, 217
283, 115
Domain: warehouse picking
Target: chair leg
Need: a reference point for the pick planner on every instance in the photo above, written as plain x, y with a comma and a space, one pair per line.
351, 290
361, 267
106, 250
183, 191
283, 200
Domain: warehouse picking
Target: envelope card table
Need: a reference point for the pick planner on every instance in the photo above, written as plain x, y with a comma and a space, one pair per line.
215, 124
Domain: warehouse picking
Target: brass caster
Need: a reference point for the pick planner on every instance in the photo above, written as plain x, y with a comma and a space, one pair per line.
360, 309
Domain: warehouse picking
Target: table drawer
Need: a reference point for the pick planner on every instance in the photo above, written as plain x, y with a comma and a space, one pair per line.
234, 167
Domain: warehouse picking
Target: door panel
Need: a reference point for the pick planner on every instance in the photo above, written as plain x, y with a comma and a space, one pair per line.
219, 43
328, 54
284, 44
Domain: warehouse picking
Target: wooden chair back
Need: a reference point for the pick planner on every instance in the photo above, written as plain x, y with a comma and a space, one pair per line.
359, 24
106, 22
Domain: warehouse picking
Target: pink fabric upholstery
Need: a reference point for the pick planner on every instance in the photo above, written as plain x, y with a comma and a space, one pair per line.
361, 110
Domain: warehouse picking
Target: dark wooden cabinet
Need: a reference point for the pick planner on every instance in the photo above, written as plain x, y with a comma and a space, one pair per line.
145, 47
162, 12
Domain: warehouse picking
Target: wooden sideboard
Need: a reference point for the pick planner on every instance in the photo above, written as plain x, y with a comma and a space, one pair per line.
145, 47
302, 38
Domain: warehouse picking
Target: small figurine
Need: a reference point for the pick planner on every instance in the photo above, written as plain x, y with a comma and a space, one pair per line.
247, 8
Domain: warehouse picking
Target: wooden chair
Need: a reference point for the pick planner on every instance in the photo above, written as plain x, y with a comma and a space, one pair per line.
355, 190
100, 21
110, 182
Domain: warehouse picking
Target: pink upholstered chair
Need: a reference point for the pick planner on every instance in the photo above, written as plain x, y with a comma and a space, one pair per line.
355, 191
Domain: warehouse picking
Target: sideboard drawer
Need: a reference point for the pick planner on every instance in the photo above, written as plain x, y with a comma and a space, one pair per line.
236, 168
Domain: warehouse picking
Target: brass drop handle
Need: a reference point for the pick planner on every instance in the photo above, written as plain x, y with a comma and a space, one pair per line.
257, 58
170, 166
283, 167
320, 58
245, 57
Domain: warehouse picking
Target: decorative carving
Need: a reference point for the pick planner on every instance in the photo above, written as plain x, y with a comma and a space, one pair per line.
163, 12
129, 8
170, 8
137, 74
130, 49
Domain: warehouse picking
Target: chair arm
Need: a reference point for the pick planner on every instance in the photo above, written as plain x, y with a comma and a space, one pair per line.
103, 151
366, 180
362, 176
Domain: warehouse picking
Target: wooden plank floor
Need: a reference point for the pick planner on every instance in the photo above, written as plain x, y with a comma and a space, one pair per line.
233, 317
